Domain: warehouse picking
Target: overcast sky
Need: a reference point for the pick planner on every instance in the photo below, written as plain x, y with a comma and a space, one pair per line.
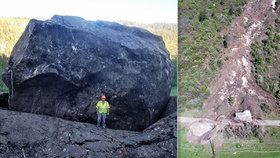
143, 11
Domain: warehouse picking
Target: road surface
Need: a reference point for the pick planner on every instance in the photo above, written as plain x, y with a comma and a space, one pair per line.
189, 120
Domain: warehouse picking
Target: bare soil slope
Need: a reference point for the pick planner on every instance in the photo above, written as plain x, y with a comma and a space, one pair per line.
234, 87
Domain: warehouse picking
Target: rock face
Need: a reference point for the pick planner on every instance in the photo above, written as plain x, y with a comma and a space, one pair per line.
4, 100
31, 135
59, 66
171, 107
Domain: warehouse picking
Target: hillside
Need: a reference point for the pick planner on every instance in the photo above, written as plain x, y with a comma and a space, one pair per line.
229, 64
200, 45
206, 40
10, 31
12, 28
266, 65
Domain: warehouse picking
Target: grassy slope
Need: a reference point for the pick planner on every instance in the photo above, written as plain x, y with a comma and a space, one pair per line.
268, 147
169, 34
186, 150
10, 31
3, 64
200, 47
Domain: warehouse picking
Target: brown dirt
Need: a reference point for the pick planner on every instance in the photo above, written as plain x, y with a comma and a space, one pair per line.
234, 88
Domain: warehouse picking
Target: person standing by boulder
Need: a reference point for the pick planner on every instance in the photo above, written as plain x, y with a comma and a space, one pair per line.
102, 108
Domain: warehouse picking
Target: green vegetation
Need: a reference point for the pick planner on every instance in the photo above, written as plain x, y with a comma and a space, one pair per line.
234, 148
187, 150
173, 91
266, 61
231, 100
265, 108
200, 48
225, 42
252, 147
169, 34
10, 31
3, 64
273, 133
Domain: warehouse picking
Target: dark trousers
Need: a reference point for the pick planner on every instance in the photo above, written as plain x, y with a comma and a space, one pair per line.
101, 117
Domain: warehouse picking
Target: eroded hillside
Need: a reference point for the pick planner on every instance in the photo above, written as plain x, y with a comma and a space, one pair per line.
217, 71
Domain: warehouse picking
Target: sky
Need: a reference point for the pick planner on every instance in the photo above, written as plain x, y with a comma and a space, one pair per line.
142, 11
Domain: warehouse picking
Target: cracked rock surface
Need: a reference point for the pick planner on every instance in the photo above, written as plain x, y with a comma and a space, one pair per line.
31, 135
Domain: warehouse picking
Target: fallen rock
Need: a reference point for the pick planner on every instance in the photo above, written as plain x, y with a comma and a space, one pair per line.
162, 135
59, 66
200, 132
244, 116
43, 136
200, 128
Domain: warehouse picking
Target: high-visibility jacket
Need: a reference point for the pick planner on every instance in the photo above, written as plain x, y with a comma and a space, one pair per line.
102, 107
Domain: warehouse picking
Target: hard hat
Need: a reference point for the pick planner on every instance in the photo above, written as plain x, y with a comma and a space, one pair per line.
103, 97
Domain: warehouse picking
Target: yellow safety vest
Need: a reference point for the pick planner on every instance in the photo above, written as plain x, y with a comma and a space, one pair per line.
102, 107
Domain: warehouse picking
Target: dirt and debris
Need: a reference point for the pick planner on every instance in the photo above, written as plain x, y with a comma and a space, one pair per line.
244, 130
234, 89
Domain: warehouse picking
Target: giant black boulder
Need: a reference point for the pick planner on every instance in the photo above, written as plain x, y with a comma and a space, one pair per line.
59, 66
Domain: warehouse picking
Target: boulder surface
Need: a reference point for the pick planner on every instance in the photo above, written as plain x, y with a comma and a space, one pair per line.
30, 135
59, 66
4, 100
